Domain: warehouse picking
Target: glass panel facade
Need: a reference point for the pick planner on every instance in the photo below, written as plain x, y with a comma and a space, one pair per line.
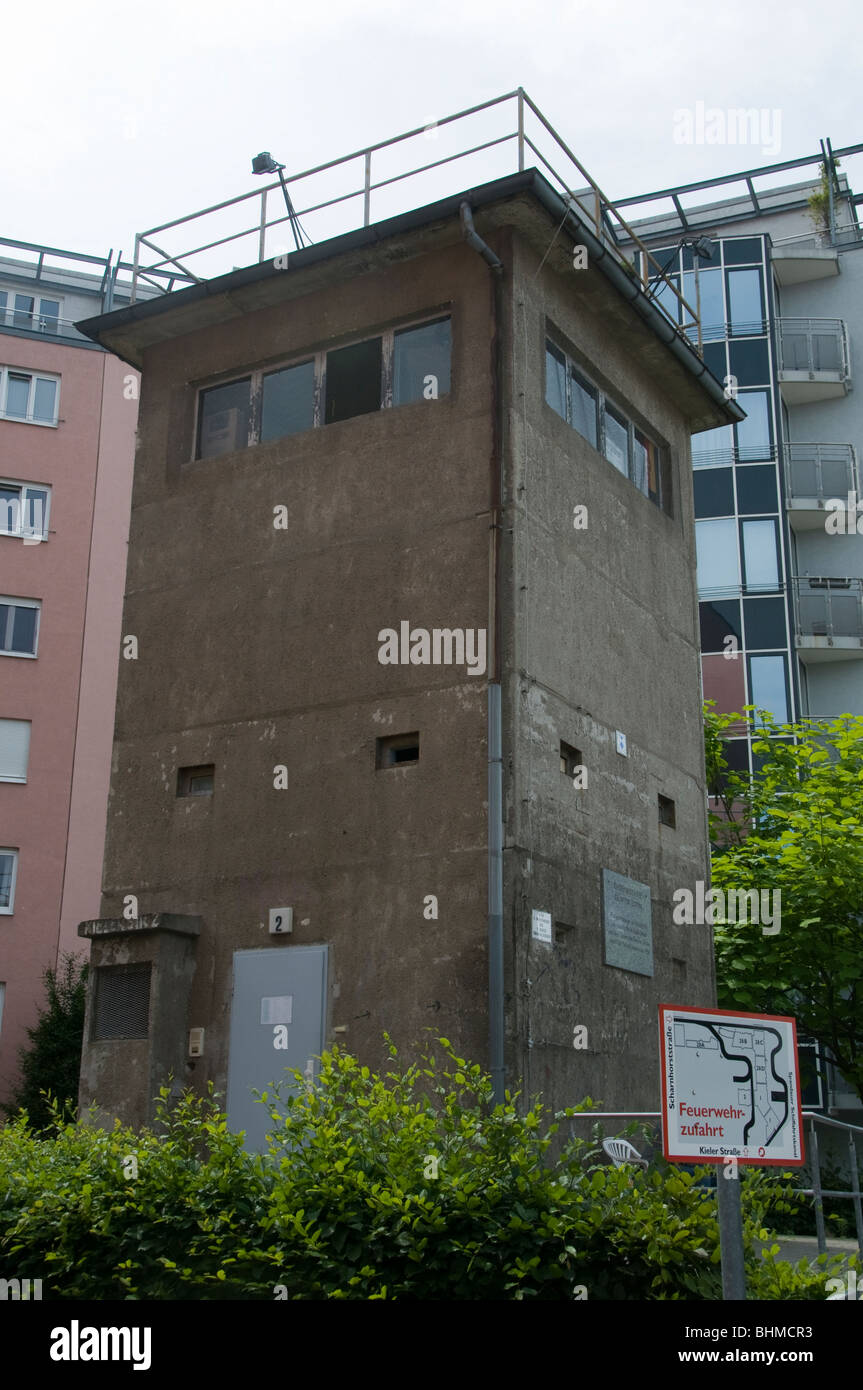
714, 492
767, 685
719, 619
756, 489
712, 447
745, 304
760, 555
765, 623
718, 564
754, 439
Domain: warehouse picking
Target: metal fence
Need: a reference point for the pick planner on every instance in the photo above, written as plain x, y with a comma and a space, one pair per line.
813, 345
496, 137
821, 470
828, 607
812, 1119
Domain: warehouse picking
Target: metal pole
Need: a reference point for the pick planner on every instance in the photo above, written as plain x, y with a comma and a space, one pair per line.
730, 1234
497, 1035
816, 1186
367, 188
135, 268
695, 260
520, 129
855, 1188
262, 235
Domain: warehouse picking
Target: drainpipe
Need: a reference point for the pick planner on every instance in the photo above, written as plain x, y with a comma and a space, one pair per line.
495, 746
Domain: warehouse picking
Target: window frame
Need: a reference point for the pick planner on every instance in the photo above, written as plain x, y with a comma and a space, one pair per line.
6, 777
10, 910
24, 603
7, 370
21, 532
258, 375
36, 315
603, 404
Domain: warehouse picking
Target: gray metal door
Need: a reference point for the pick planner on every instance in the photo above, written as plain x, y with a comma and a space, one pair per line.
277, 1021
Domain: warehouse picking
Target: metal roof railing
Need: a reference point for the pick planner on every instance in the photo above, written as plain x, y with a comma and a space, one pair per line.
382, 174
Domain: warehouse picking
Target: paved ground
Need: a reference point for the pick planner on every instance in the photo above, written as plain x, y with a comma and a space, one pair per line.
794, 1248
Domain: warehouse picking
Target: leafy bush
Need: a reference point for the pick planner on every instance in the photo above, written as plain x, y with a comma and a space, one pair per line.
52, 1062
410, 1185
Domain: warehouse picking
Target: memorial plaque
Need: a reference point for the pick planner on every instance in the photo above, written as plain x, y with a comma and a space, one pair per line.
540, 926
627, 923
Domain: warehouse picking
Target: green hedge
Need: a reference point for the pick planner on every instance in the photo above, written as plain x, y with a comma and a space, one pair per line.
346, 1203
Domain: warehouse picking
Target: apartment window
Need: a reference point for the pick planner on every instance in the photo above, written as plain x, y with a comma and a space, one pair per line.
196, 781
122, 1003
19, 626
602, 424
23, 509
712, 447
224, 413
8, 874
754, 440
397, 367
28, 396
421, 365
760, 555
354, 380
717, 557
745, 304
14, 749
667, 812
397, 750
768, 686
29, 311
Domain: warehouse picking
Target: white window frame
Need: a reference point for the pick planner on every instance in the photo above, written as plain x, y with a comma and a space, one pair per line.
256, 379
37, 315
28, 419
9, 911
5, 777
21, 531
24, 603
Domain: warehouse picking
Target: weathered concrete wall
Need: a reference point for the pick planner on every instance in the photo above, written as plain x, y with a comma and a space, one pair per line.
601, 635
259, 647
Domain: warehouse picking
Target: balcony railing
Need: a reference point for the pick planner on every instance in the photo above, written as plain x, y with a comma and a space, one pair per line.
820, 471
813, 345
47, 325
828, 608
397, 175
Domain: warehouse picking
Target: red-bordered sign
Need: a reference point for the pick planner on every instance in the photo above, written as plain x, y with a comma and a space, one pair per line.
730, 1087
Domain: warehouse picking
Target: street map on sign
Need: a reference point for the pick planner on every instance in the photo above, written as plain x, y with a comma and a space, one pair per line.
730, 1087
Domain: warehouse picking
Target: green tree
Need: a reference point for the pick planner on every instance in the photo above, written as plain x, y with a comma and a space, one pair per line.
795, 826
52, 1062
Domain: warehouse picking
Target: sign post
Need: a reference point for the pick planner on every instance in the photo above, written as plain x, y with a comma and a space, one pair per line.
730, 1096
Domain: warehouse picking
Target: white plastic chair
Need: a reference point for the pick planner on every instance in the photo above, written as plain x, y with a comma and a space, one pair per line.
620, 1151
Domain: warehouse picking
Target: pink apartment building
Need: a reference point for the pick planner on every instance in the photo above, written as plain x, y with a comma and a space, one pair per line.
68, 411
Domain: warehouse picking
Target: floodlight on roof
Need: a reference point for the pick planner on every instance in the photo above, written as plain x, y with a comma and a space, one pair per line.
264, 163
703, 248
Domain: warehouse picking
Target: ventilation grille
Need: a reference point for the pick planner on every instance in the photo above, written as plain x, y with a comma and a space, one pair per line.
122, 1002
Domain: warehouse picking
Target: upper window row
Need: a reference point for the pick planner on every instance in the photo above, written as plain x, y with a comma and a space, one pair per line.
578, 401
399, 366
28, 396
29, 311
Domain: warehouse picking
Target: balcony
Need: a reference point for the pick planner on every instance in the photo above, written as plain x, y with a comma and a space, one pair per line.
814, 362
815, 474
21, 324
801, 258
828, 619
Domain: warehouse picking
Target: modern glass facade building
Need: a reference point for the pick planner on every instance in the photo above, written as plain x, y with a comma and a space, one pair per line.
780, 569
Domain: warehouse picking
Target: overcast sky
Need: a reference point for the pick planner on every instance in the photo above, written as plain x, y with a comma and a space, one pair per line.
121, 117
